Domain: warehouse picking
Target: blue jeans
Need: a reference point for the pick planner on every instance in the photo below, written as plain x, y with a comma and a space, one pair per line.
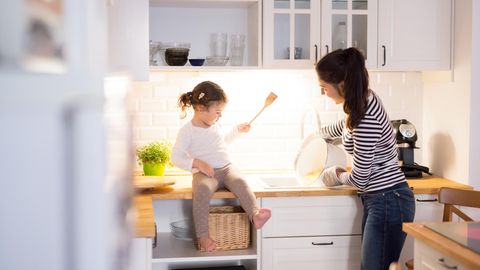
382, 235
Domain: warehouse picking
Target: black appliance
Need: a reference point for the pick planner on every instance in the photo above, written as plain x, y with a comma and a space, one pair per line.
406, 136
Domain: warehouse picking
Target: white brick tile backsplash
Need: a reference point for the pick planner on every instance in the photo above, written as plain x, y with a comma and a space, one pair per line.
274, 138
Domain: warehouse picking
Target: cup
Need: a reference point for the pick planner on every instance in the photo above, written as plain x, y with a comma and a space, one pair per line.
237, 48
218, 44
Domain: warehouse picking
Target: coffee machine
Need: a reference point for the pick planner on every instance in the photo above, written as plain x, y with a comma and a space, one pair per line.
406, 136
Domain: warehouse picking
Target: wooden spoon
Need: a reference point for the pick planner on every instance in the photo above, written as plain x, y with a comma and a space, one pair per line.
268, 101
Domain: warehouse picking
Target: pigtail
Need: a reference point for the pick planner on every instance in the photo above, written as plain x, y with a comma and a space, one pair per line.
185, 101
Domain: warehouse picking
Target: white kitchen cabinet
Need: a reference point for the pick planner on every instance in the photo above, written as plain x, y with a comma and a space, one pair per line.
321, 232
171, 253
306, 253
414, 35
427, 208
427, 258
351, 23
128, 38
291, 24
141, 255
193, 21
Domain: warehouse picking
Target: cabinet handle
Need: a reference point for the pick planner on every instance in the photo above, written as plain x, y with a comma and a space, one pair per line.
322, 244
426, 200
316, 53
384, 55
442, 262
328, 50
154, 244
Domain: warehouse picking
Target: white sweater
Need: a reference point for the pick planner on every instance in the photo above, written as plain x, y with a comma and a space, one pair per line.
206, 144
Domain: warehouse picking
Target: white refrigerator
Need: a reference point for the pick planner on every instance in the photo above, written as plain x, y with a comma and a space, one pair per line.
65, 146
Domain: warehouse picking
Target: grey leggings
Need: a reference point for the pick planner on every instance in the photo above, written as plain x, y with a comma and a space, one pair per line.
204, 187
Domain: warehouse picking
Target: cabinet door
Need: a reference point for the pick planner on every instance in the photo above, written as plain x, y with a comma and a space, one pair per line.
427, 208
307, 216
426, 258
350, 23
128, 38
291, 24
307, 253
141, 254
414, 35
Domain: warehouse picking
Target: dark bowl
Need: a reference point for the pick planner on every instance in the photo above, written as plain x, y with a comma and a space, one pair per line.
196, 61
176, 56
180, 52
176, 61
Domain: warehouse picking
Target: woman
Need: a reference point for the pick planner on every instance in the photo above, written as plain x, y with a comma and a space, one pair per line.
368, 136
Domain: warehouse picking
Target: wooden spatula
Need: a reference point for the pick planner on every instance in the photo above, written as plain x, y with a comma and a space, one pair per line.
268, 101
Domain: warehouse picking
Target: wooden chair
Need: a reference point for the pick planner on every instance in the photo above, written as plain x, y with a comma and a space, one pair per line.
451, 199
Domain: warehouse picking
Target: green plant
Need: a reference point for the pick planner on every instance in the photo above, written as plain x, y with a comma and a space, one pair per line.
157, 152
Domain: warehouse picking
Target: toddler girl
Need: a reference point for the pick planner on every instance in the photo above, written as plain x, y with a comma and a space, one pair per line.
202, 149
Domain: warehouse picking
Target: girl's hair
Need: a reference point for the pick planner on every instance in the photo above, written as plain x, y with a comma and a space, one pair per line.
205, 94
347, 66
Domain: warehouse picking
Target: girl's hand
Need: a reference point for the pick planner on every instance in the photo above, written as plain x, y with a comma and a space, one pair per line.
244, 127
203, 167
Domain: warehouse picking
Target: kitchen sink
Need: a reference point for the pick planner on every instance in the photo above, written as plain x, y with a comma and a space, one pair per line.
287, 182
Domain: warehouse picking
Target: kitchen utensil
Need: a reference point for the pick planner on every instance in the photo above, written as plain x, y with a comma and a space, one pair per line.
196, 61
316, 154
176, 56
217, 60
268, 101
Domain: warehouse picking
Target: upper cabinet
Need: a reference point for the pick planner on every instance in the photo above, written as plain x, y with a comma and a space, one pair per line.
414, 35
350, 23
228, 32
291, 33
128, 37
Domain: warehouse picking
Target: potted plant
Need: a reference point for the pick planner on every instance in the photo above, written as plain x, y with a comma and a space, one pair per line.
154, 156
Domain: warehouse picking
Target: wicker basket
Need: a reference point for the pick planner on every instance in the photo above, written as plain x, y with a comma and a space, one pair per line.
229, 226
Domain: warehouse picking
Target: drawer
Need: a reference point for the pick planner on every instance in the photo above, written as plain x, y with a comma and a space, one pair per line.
312, 216
427, 258
307, 253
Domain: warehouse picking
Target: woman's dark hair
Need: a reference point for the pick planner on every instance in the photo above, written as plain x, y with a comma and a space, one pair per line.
347, 66
204, 93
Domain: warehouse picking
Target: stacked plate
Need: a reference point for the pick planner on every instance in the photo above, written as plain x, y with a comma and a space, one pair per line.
182, 229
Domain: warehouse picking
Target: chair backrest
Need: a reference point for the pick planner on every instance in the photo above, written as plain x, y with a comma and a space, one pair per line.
452, 197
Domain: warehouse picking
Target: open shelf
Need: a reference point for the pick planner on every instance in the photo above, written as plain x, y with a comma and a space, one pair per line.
169, 249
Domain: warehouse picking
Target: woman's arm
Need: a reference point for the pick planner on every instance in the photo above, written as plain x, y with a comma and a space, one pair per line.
333, 130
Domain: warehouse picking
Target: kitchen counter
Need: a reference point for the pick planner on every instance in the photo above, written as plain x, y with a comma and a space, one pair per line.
144, 216
182, 189
444, 245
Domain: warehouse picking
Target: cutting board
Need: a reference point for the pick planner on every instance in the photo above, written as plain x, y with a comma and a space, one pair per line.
142, 181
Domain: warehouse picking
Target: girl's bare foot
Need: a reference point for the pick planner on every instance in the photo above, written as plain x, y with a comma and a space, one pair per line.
206, 243
261, 217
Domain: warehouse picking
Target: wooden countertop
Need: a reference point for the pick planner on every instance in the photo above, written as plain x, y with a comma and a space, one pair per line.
182, 189
443, 244
144, 216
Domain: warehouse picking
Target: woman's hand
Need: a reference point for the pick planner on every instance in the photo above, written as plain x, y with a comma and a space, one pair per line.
330, 175
203, 167
244, 127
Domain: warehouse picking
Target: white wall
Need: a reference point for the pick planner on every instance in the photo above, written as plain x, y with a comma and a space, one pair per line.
474, 169
448, 104
274, 138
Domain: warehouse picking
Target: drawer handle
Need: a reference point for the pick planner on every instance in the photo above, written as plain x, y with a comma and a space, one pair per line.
322, 244
427, 200
442, 262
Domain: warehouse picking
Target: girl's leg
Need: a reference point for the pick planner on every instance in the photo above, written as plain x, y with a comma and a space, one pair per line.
203, 188
234, 181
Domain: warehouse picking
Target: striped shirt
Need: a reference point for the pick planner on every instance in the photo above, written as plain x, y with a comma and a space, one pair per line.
373, 147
